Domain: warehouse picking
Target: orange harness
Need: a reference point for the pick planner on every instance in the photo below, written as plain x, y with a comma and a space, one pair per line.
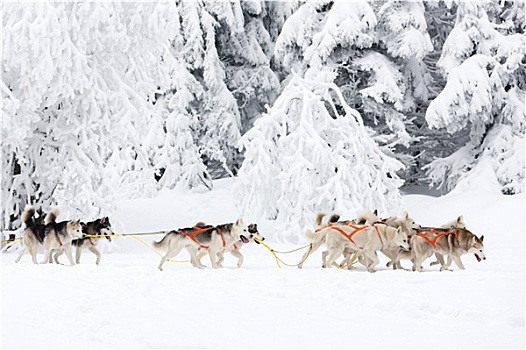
436, 235
357, 229
197, 230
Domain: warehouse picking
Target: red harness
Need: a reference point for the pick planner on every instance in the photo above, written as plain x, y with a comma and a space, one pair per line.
357, 229
436, 235
197, 230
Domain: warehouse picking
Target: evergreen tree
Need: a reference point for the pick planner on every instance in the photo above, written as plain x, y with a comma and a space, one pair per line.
483, 59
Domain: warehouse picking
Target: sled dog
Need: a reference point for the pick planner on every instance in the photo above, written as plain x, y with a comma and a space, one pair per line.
419, 248
212, 238
457, 223
366, 239
255, 236
453, 242
55, 235
317, 238
33, 234
408, 225
101, 228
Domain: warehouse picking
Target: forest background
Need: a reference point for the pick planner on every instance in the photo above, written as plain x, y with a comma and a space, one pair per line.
311, 105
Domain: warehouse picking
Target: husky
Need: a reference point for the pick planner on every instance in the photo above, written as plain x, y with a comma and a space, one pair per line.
212, 238
33, 234
317, 238
408, 225
93, 232
255, 236
56, 236
457, 223
453, 242
366, 239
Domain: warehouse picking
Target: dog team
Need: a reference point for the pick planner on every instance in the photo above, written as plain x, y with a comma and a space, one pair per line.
398, 238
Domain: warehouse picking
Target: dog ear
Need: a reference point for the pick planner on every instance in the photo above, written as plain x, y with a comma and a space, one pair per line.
406, 215
482, 238
375, 212
239, 222
460, 219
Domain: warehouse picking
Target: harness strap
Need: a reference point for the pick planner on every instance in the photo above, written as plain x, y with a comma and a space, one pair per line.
197, 230
378, 233
436, 235
58, 237
350, 235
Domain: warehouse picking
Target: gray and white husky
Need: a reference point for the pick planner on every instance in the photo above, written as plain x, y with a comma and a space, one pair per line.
213, 239
53, 235
255, 236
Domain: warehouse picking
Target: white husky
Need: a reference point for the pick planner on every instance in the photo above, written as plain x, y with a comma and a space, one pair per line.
317, 238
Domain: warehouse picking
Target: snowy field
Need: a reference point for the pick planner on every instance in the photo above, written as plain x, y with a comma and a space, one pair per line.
127, 303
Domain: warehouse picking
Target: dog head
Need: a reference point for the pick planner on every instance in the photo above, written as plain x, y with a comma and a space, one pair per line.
254, 233
240, 231
401, 240
74, 228
457, 223
477, 247
104, 227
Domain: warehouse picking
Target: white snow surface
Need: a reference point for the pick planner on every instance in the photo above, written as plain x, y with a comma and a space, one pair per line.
126, 302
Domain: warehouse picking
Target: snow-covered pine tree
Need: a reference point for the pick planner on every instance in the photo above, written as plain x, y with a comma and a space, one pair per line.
373, 52
306, 155
86, 73
484, 61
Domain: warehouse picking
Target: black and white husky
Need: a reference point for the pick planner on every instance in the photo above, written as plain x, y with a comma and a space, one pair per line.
52, 235
213, 239
93, 231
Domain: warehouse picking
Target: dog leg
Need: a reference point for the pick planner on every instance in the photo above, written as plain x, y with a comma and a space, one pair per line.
95, 251
78, 251
213, 259
23, 249
46, 257
220, 258
440, 260
194, 260
169, 254
458, 261
57, 254
334, 253
239, 256
373, 260
447, 264
314, 247
67, 249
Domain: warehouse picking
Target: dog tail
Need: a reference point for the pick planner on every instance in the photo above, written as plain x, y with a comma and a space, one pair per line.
318, 219
315, 237
163, 242
52, 215
27, 215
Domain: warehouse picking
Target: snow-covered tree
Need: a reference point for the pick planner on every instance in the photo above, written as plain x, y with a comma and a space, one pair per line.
484, 61
373, 52
306, 155
79, 79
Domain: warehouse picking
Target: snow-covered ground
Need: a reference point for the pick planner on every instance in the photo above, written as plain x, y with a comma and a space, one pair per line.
127, 303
